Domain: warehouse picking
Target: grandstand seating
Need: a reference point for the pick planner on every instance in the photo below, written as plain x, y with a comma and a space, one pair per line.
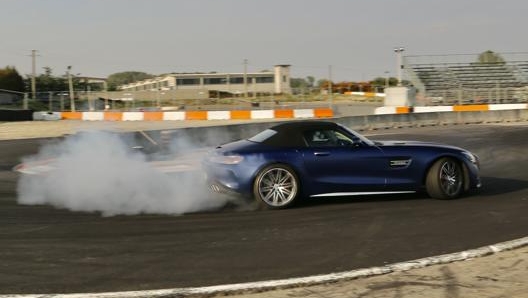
469, 82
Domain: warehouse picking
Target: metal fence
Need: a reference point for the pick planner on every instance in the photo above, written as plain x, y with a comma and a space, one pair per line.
55, 101
464, 96
300, 98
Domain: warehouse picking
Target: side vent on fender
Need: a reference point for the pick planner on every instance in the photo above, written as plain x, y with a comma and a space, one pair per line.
400, 163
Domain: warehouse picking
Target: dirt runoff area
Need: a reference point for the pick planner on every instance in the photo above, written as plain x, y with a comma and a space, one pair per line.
504, 274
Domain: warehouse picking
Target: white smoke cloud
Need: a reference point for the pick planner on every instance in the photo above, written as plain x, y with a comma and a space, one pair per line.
99, 172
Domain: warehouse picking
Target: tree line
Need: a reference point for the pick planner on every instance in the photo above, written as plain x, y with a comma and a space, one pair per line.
10, 79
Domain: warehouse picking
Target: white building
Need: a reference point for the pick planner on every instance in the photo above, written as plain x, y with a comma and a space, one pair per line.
266, 82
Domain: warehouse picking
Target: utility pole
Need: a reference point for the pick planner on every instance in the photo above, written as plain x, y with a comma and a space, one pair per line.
245, 79
330, 98
70, 84
33, 73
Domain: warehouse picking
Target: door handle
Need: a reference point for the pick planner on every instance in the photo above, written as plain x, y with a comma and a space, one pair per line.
321, 153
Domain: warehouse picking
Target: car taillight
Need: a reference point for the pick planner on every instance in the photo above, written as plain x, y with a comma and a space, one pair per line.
226, 159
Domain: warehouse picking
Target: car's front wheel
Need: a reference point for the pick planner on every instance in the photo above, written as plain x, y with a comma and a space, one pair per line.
445, 179
276, 186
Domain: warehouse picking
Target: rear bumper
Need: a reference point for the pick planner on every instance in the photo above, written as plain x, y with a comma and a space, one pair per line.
227, 179
218, 187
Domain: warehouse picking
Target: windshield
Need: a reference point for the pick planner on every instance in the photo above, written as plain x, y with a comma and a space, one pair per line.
262, 136
359, 136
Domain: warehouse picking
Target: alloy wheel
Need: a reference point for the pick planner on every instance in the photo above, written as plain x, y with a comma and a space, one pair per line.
450, 178
277, 187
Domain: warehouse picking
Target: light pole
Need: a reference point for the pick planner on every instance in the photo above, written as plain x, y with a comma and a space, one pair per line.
399, 51
386, 79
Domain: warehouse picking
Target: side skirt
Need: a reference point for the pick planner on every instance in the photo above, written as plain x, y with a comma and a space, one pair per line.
363, 193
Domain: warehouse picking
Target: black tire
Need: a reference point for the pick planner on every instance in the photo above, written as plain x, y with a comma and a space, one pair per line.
445, 179
276, 187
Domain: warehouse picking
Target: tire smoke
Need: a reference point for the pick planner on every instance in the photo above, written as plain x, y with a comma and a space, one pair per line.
100, 172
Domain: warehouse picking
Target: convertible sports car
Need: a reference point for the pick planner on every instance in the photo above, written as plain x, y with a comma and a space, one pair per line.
322, 159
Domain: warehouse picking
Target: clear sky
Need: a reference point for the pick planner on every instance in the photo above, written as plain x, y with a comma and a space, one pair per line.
98, 38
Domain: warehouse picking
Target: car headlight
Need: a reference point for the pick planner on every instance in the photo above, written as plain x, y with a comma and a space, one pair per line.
226, 159
470, 156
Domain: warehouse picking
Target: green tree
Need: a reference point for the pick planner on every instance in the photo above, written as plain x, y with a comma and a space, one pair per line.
10, 79
48, 82
490, 57
298, 83
381, 81
302, 83
310, 80
322, 83
126, 77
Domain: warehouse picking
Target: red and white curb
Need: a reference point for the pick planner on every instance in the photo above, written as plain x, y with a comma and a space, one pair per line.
296, 282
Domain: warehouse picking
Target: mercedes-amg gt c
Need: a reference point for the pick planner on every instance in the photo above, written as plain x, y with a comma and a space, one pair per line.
323, 159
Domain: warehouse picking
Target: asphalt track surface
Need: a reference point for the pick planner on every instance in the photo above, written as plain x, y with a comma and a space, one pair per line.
49, 250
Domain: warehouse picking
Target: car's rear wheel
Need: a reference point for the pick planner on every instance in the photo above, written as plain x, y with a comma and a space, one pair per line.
445, 179
276, 186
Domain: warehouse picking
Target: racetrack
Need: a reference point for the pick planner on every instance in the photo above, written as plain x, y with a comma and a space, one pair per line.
48, 250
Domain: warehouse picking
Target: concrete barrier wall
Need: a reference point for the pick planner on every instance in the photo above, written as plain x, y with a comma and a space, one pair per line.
436, 118
212, 136
46, 116
455, 108
16, 115
266, 114
366, 94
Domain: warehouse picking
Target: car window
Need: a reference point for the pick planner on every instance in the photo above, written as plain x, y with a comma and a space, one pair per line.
326, 138
262, 136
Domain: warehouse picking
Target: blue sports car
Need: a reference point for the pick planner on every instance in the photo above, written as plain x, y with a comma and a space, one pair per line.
323, 159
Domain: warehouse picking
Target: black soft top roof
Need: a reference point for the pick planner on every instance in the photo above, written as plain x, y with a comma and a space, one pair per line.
290, 134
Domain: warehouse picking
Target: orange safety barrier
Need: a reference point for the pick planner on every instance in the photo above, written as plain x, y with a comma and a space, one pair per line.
323, 113
240, 115
281, 114
152, 116
113, 116
71, 115
196, 115
403, 110
470, 108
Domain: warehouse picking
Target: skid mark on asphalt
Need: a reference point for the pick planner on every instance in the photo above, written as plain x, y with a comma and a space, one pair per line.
369, 233
30, 230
